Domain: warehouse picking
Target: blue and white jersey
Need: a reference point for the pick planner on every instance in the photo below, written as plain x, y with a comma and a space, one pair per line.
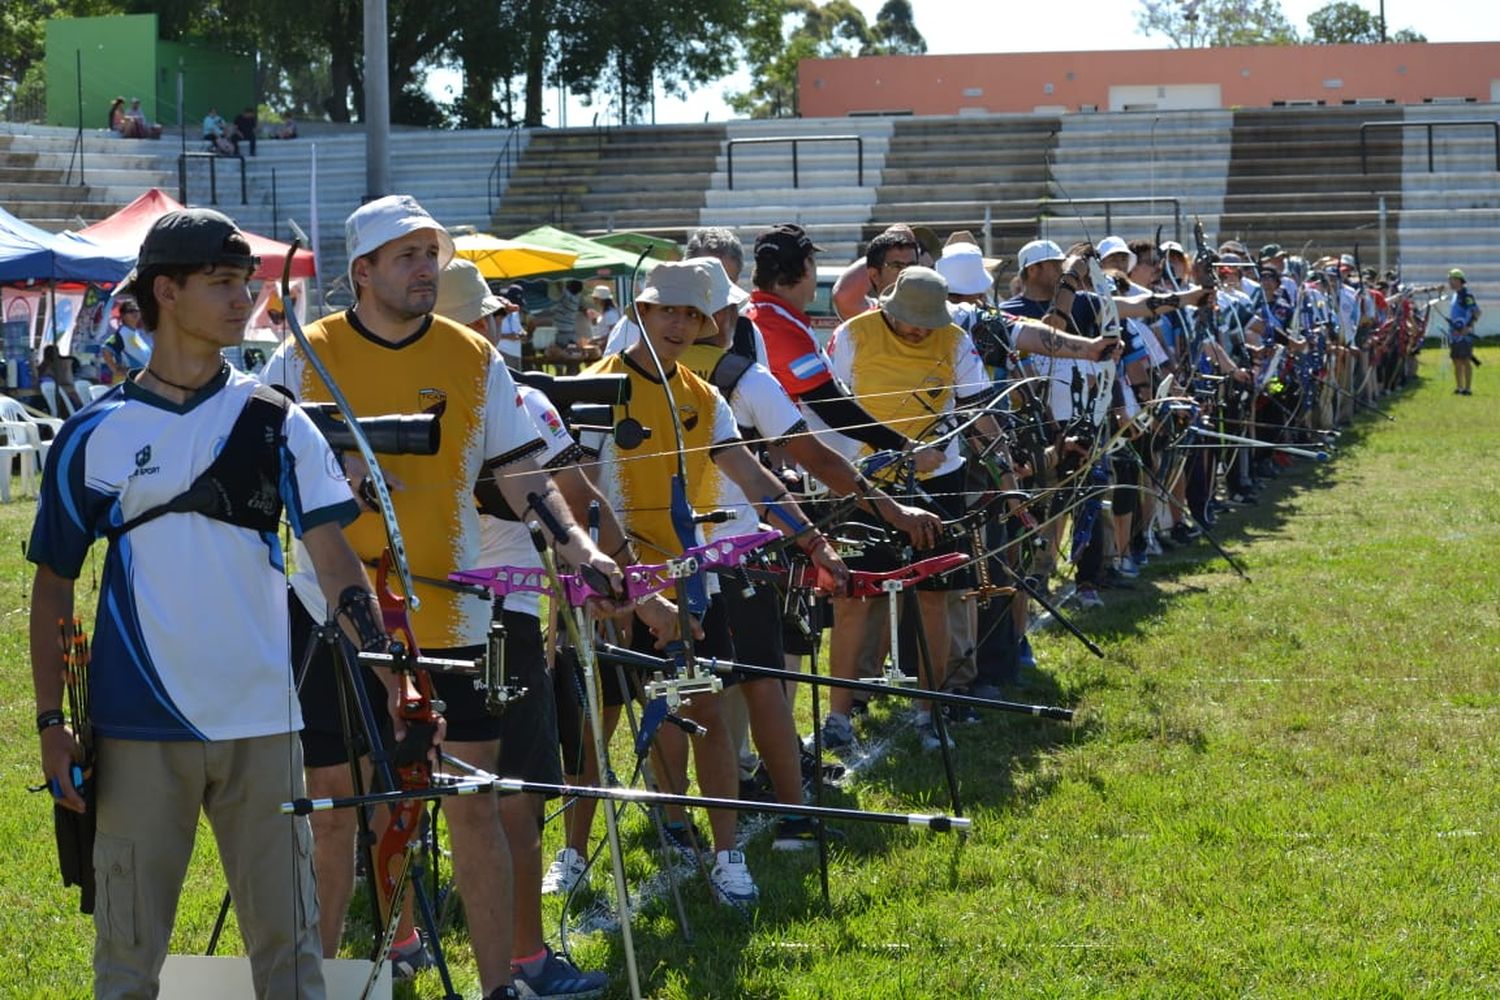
191, 637
1463, 311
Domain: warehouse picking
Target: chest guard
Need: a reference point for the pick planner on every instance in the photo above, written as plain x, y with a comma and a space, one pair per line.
242, 484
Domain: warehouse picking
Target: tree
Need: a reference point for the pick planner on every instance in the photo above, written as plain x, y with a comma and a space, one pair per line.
895, 31
782, 33
1345, 23
1193, 23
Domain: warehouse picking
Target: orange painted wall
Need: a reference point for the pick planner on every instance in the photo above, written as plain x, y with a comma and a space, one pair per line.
1249, 76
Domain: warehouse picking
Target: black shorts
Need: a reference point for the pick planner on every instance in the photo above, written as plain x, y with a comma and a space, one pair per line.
1461, 348
754, 623
323, 737
809, 616
528, 726
323, 741
945, 496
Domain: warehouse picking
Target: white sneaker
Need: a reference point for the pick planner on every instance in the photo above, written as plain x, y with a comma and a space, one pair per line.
1127, 568
565, 872
927, 734
731, 879
1153, 547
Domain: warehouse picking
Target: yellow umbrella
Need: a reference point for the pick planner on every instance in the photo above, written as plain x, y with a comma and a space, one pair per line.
497, 258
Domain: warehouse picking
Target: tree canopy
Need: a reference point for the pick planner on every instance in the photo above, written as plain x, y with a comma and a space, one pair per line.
1189, 24
1345, 23
781, 33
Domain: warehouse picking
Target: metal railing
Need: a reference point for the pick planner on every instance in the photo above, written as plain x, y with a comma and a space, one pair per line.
796, 140
213, 176
508, 160
1364, 165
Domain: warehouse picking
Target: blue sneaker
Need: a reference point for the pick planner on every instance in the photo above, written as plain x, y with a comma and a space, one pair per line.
1026, 657
558, 979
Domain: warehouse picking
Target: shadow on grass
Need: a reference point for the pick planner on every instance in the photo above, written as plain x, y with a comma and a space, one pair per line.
997, 764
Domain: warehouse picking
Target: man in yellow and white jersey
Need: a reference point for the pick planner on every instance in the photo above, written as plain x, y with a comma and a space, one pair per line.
674, 311
909, 365
390, 354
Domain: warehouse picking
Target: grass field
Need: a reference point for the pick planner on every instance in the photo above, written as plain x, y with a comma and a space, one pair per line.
1282, 787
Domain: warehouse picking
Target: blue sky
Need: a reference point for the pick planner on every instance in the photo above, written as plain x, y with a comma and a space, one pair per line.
960, 26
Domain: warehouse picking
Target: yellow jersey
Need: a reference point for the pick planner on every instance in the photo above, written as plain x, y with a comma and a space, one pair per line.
444, 368
905, 386
638, 482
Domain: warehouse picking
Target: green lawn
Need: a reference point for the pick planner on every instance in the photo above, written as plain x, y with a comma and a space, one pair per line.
1282, 787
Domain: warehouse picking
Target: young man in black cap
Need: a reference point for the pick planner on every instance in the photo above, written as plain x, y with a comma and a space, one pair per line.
190, 680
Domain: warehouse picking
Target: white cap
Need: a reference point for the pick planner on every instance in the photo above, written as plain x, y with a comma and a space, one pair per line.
962, 266
1037, 251
724, 292
1172, 246
1111, 245
374, 225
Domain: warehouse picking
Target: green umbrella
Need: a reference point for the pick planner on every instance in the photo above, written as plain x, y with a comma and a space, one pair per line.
594, 259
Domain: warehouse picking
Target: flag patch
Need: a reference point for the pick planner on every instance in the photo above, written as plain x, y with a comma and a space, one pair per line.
808, 365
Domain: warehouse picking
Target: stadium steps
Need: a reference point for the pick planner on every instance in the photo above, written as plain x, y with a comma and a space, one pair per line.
1295, 176
944, 171
592, 181
1449, 217
36, 184
1168, 154
831, 194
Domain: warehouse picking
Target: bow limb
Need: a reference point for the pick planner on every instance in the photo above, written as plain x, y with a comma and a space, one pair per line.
376, 477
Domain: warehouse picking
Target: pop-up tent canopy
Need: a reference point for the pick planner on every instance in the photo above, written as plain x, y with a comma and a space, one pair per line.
595, 260
31, 254
126, 229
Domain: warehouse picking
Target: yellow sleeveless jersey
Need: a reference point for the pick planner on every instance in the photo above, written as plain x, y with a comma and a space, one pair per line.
445, 368
638, 482
906, 386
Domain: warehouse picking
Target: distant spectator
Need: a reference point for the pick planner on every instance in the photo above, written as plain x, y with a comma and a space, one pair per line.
573, 343
513, 329
216, 134
139, 127
605, 313
286, 130
59, 368
116, 120
129, 346
245, 126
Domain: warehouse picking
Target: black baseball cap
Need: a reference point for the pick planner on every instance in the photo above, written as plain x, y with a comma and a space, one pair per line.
193, 236
1271, 250
789, 240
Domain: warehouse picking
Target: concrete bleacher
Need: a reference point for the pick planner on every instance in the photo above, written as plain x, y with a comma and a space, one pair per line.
1181, 155
833, 193
36, 183
1295, 178
593, 180
1289, 175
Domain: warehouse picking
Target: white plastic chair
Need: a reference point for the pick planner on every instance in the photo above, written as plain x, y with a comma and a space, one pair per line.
19, 439
96, 391
13, 411
49, 393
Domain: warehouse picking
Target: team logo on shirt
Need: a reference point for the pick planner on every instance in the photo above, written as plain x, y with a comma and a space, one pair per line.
934, 386
554, 424
688, 414
143, 457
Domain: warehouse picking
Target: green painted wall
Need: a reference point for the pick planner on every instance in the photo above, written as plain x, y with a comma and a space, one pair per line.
123, 57
118, 60
210, 79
